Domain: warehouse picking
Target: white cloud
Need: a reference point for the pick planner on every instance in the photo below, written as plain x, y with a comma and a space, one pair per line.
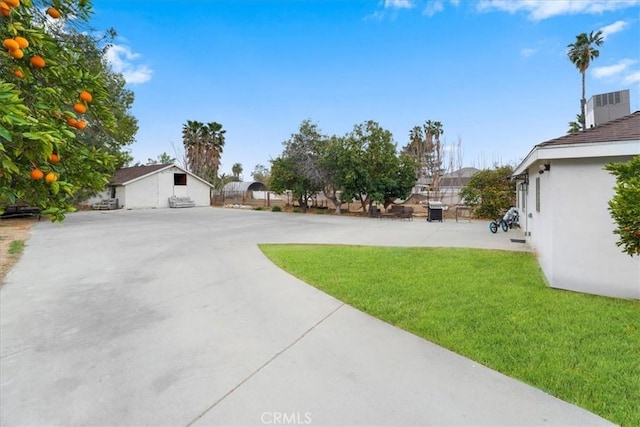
398, 4
390, 8
527, 52
612, 70
539, 10
433, 7
632, 78
378, 15
616, 27
121, 59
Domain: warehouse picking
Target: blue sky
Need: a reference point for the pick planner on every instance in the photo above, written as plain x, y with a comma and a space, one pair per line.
495, 73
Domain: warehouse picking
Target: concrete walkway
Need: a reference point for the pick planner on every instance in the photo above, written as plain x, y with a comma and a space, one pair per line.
174, 317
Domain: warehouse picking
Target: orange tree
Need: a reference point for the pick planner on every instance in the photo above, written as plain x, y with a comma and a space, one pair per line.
52, 94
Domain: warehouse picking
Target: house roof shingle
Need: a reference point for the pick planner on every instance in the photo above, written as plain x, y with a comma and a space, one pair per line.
625, 128
127, 174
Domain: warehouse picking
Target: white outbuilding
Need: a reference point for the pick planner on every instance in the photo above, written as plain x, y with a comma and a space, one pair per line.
563, 195
153, 186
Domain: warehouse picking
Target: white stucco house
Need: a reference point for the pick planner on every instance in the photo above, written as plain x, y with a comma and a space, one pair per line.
563, 193
141, 187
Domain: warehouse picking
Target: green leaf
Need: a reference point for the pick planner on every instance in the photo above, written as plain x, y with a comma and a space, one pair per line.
55, 187
5, 134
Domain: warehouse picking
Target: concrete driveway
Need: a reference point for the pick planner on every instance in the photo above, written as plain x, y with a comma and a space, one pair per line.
174, 317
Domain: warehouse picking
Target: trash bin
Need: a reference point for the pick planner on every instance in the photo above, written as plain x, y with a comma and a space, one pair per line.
434, 211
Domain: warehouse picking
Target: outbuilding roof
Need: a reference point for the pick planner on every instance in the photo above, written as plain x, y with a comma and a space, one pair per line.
244, 186
124, 175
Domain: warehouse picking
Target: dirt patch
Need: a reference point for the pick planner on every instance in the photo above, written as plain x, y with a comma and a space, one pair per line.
12, 229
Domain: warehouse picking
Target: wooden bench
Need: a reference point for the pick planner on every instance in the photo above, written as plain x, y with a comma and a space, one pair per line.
398, 212
181, 202
406, 213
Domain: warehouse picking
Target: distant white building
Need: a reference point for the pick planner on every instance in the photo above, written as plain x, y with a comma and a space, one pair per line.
450, 185
605, 107
140, 187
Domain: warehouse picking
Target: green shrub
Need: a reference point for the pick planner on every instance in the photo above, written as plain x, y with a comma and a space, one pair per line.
257, 208
276, 209
625, 205
490, 192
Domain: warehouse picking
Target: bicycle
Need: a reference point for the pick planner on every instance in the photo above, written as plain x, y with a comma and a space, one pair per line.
510, 220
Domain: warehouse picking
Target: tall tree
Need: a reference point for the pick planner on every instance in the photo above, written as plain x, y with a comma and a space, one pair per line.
299, 167
400, 181
261, 173
215, 140
236, 170
285, 176
433, 130
371, 168
203, 145
333, 155
416, 149
581, 53
61, 107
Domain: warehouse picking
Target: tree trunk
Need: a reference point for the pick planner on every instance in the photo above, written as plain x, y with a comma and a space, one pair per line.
363, 204
334, 199
583, 103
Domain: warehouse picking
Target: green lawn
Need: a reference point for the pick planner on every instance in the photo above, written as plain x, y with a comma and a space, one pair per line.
493, 307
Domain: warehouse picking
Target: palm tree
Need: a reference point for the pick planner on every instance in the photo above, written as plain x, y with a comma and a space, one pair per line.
416, 149
236, 170
433, 131
191, 138
203, 148
575, 127
581, 53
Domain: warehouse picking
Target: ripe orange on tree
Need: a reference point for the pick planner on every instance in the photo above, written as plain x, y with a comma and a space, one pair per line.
37, 61
36, 174
54, 13
16, 53
12, 3
85, 96
22, 42
54, 158
18, 73
5, 10
51, 177
80, 124
80, 108
72, 122
10, 44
